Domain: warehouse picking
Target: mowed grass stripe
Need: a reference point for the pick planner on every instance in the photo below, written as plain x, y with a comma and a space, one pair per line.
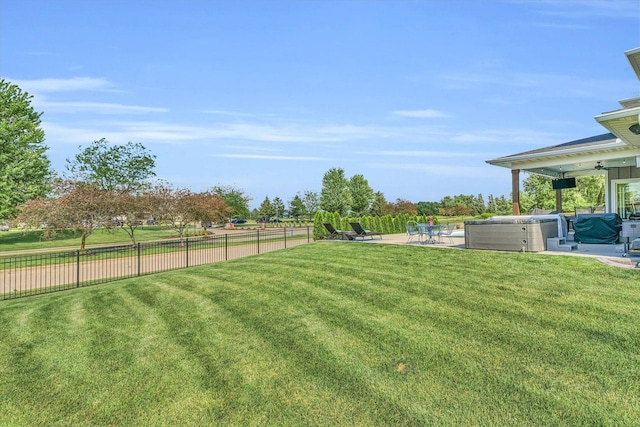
333, 334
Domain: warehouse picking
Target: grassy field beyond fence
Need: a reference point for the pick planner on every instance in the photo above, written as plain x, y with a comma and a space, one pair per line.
333, 334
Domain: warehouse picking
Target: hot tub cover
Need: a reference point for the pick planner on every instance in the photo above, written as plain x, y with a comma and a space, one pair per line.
597, 228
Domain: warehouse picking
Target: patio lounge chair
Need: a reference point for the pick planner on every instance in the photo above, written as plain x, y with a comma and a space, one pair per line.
333, 233
361, 232
338, 234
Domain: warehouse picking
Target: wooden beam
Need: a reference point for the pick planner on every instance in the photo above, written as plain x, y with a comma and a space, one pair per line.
559, 201
515, 191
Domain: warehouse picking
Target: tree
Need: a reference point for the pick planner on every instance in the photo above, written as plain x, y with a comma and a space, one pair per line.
266, 209
235, 199
24, 168
478, 206
428, 208
311, 202
181, 207
207, 207
378, 206
335, 195
130, 211
503, 206
171, 206
278, 207
537, 193
362, 195
113, 167
401, 206
77, 206
296, 207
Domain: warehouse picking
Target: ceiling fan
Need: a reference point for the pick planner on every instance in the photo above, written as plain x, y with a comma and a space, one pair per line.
600, 166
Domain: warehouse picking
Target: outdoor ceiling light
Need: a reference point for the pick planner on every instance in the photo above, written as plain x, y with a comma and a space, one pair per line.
635, 128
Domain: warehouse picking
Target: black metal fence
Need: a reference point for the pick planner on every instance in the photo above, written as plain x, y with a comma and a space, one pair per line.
40, 273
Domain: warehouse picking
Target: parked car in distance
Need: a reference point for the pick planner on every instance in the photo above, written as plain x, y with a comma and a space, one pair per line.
238, 221
4, 227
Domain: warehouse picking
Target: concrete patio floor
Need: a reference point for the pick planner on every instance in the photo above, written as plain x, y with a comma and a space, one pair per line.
611, 254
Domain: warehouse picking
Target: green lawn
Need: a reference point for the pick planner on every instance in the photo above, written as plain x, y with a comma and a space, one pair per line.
333, 333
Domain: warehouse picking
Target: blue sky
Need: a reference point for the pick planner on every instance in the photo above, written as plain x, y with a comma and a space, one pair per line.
268, 95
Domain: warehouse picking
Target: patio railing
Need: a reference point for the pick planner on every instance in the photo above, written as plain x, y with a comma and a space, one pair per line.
39, 273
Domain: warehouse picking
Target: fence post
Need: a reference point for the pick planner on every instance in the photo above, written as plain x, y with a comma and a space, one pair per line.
186, 249
258, 233
77, 268
139, 260
226, 247
284, 229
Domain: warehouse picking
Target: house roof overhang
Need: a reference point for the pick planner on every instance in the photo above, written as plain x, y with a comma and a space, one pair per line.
575, 158
620, 123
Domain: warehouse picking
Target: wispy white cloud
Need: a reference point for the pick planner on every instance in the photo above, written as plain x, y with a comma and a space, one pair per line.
622, 9
267, 157
525, 85
251, 148
156, 131
63, 85
422, 114
44, 90
228, 113
95, 107
421, 153
441, 170
520, 136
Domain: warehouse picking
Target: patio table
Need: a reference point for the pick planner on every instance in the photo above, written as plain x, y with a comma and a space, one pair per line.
430, 232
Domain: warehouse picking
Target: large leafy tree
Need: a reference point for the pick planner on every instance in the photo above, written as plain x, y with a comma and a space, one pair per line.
131, 210
335, 195
180, 207
126, 167
235, 198
538, 193
378, 207
401, 206
362, 195
25, 172
428, 208
77, 206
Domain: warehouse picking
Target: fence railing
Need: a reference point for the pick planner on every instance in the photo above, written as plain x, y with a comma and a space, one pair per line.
39, 273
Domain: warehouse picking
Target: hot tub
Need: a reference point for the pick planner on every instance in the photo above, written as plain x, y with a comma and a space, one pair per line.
516, 233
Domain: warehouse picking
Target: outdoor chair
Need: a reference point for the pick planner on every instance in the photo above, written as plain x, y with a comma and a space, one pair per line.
446, 231
361, 232
333, 233
413, 230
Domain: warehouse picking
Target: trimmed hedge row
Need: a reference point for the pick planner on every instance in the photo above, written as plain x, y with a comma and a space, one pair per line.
386, 224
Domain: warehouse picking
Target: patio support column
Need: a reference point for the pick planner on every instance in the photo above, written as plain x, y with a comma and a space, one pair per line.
559, 201
515, 190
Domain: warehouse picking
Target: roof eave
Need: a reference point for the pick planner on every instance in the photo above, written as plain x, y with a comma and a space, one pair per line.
618, 123
571, 151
